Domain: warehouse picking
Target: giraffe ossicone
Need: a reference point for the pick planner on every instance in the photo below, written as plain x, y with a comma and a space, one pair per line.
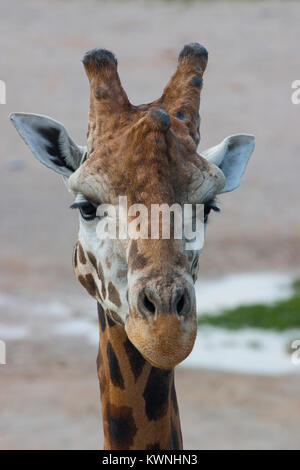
144, 287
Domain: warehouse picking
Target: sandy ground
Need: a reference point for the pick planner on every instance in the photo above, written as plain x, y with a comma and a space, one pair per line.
49, 391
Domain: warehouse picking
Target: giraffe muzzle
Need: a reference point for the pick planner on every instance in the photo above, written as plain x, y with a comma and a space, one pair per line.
162, 324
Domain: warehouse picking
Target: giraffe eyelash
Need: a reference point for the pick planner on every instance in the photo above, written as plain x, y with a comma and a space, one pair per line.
209, 206
213, 205
79, 202
87, 210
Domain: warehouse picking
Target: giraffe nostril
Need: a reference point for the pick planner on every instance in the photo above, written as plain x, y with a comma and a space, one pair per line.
180, 304
181, 301
148, 304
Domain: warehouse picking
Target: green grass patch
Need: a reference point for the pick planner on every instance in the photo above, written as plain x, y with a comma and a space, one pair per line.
296, 286
282, 315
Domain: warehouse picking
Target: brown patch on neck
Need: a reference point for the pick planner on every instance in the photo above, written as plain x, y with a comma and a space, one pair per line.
101, 277
81, 254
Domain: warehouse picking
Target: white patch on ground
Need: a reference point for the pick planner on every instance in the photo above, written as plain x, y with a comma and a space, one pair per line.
52, 308
79, 328
8, 332
248, 350
232, 291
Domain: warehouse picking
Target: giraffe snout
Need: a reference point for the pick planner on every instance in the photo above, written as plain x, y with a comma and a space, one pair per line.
162, 322
152, 302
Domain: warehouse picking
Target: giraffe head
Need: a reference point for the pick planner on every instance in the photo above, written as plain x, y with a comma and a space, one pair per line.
148, 154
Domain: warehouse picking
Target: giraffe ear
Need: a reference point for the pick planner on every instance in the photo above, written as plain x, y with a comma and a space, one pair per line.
231, 156
49, 141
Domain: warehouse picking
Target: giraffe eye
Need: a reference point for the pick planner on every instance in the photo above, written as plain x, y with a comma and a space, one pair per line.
88, 211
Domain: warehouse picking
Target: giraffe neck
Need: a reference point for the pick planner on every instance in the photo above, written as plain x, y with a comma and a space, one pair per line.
138, 401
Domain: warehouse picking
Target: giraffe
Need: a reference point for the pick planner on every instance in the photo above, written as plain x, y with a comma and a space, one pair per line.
144, 288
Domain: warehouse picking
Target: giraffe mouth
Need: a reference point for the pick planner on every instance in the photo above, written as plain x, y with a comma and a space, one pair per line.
164, 342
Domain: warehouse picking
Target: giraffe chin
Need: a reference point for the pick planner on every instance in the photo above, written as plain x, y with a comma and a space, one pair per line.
164, 341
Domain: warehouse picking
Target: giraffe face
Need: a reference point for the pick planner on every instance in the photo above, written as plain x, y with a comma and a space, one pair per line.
147, 284
148, 154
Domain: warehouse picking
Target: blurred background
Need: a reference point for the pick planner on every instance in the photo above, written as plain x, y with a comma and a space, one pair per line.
240, 387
